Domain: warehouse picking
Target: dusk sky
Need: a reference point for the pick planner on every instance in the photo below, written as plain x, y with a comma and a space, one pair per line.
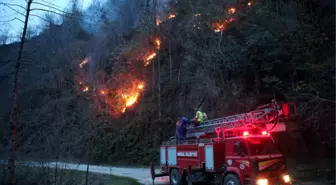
14, 27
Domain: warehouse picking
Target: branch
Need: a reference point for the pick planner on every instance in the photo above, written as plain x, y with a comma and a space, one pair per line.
50, 11
58, 9
51, 7
13, 9
70, 16
40, 18
9, 4
15, 18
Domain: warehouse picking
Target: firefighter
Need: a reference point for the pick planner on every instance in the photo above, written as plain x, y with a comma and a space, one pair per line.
199, 118
181, 129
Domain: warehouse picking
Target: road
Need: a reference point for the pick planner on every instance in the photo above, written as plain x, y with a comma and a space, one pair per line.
140, 174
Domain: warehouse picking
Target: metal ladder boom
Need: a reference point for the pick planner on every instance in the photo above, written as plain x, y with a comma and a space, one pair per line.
239, 120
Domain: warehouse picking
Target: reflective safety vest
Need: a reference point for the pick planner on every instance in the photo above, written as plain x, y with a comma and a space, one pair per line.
199, 116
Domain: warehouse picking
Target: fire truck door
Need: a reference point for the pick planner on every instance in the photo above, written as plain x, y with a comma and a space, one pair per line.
201, 154
237, 158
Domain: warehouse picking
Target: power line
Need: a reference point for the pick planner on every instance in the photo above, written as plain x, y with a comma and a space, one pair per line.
15, 18
50, 4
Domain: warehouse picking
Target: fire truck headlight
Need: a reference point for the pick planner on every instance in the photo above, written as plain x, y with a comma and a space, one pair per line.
262, 182
286, 178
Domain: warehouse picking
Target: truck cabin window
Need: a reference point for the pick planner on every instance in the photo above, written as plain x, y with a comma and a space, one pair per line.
240, 148
262, 146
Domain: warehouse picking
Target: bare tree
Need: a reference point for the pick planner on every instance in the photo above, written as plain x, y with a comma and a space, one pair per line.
15, 93
4, 36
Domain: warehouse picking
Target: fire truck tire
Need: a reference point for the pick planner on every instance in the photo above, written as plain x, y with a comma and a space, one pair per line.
231, 179
175, 177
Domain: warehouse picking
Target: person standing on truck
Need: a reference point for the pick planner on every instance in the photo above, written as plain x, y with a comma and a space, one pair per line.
199, 118
181, 130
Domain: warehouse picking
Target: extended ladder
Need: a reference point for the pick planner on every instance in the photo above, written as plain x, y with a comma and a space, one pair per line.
264, 114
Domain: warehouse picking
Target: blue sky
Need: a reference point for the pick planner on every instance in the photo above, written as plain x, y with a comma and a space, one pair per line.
14, 26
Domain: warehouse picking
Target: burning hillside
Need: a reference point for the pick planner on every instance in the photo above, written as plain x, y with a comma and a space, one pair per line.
128, 88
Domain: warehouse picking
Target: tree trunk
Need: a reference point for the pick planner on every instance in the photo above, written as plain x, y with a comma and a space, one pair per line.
159, 85
56, 170
153, 78
170, 62
15, 95
89, 154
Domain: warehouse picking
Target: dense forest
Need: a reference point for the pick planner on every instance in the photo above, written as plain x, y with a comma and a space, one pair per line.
113, 89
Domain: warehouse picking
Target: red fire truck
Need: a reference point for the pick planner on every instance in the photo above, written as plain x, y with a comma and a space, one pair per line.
233, 150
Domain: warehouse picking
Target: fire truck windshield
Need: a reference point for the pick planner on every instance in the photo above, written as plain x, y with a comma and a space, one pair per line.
262, 146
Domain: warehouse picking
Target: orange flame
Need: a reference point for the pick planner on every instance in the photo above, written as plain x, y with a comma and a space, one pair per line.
130, 100
149, 58
102, 92
230, 20
130, 96
171, 16
158, 21
141, 86
249, 3
83, 63
86, 88
232, 10
219, 26
158, 42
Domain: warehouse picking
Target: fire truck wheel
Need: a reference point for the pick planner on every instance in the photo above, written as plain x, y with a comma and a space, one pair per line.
175, 177
231, 179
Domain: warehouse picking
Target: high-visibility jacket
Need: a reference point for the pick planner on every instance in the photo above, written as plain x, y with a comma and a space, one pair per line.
199, 116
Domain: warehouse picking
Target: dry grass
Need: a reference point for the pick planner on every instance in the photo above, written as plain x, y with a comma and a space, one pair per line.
46, 176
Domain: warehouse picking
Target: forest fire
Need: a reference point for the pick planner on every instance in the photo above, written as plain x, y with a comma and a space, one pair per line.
129, 90
130, 100
158, 21
171, 16
141, 86
219, 26
131, 96
230, 20
232, 10
157, 43
83, 63
149, 58
86, 88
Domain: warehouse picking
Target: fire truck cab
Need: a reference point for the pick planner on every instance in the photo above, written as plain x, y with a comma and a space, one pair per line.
225, 155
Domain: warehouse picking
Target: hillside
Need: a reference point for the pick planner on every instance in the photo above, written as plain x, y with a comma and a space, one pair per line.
235, 60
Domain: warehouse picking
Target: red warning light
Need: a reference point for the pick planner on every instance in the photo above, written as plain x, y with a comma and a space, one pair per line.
265, 133
285, 110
